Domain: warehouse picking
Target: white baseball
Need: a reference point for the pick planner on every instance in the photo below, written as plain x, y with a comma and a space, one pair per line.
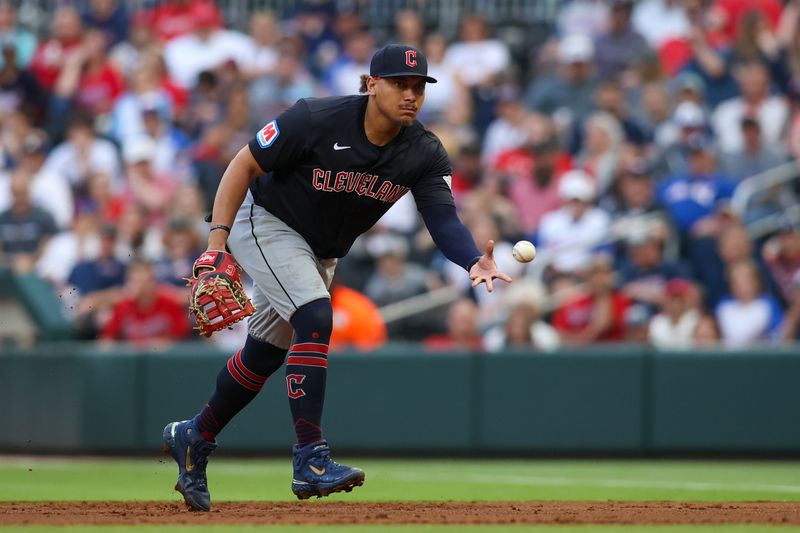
524, 251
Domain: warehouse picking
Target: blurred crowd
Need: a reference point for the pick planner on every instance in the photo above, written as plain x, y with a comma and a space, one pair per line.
616, 147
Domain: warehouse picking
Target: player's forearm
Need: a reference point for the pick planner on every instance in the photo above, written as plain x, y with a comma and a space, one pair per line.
233, 186
450, 235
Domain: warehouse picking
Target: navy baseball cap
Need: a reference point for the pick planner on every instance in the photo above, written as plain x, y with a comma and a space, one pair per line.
399, 60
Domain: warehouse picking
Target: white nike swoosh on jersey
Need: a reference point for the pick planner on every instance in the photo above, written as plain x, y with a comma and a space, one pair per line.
337, 147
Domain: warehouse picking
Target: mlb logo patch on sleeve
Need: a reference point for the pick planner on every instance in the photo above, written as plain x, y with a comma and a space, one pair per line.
267, 135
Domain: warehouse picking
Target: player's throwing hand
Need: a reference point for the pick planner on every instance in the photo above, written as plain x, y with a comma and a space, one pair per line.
485, 270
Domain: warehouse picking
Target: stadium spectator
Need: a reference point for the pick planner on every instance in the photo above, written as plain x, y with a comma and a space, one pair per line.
15, 36
446, 91
65, 40
83, 153
395, 279
748, 315
462, 329
207, 47
181, 247
100, 198
660, 21
524, 328
771, 111
674, 327
19, 88
570, 233
343, 75
509, 129
791, 328
688, 122
144, 94
602, 145
206, 106
781, 254
136, 238
755, 156
110, 17
68, 247
272, 93
88, 81
48, 190
633, 202
567, 95
696, 200
731, 14
620, 46
174, 18
587, 17
701, 54
97, 284
732, 246
645, 273
531, 175
265, 34
477, 58
610, 98
357, 322
409, 28
130, 54
24, 228
146, 314
597, 312
144, 186
756, 42
706, 334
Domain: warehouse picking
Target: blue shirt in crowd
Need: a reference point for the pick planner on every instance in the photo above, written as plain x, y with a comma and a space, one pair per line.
689, 199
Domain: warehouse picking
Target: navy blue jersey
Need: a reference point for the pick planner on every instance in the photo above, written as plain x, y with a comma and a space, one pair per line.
326, 181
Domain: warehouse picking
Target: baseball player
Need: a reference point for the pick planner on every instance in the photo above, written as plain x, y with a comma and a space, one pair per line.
288, 205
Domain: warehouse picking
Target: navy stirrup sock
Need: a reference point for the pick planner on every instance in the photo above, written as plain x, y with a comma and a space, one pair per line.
238, 383
306, 368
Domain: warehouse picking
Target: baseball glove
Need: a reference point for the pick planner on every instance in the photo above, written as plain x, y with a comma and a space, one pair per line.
217, 297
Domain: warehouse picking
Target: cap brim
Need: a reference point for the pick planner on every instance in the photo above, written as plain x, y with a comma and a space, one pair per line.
409, 74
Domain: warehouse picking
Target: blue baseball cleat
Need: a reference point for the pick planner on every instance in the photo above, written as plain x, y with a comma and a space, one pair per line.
184, 442
316, 474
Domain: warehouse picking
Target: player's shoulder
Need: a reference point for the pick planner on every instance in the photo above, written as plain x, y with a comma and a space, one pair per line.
424, 139
333, 106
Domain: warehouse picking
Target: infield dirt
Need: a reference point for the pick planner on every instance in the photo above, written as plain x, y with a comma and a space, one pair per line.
542, 512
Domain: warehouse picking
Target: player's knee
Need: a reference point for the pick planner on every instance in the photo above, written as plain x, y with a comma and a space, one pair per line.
314, 321
261, 357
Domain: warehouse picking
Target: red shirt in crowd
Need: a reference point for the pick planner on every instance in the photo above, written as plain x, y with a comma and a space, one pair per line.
173, 19
531, 200
576, 315
165, 319
49, 58
98, 90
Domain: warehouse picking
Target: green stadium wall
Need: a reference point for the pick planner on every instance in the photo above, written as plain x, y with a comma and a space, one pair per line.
82, 398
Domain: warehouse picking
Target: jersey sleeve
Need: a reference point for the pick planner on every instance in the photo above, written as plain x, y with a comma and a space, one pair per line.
434, 188
282, 142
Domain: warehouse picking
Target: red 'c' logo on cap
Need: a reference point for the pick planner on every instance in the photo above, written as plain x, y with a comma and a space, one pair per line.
411, 58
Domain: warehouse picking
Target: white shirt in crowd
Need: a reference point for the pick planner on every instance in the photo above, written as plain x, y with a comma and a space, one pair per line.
187, 56
658, 21
65, 160
472, 62
571, 242
772, 115
668, 335
743, 323
544, 338
49, 191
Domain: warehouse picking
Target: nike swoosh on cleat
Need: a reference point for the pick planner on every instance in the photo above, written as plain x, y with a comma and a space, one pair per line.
337, 147
316, 470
